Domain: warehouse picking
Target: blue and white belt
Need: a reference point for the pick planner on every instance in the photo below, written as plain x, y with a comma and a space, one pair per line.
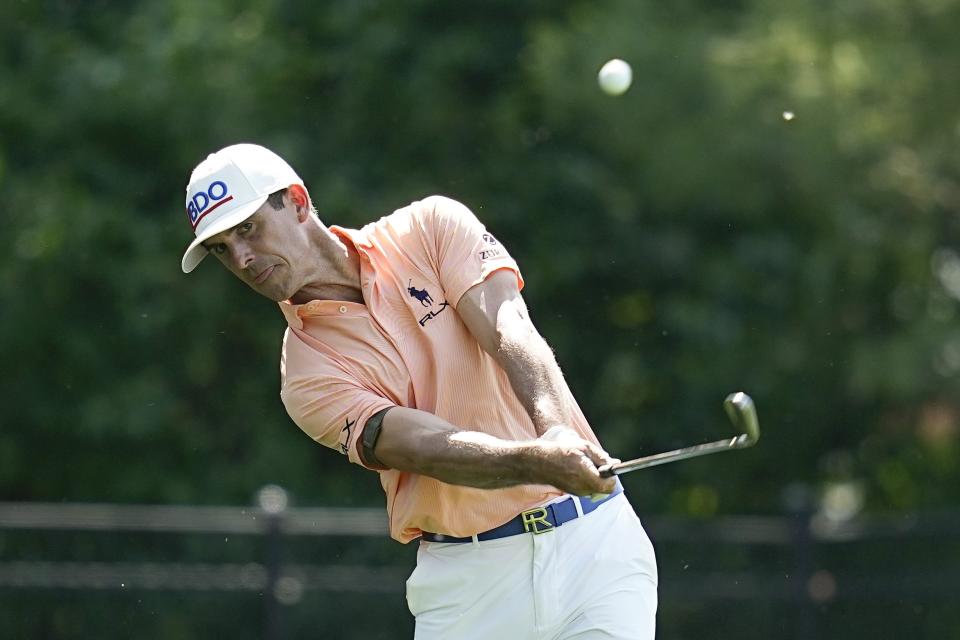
536, 520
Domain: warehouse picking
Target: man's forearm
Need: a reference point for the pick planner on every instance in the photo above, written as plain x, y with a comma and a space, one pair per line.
498, 318
535, 377
422, 443
475, 459
419, 442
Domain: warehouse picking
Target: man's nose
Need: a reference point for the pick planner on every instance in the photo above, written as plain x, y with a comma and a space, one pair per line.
242, 255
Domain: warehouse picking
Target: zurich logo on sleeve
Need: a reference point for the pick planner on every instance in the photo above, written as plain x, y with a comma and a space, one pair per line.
204, 201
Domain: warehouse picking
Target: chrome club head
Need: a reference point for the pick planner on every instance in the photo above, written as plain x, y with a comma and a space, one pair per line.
742, 413
739, 407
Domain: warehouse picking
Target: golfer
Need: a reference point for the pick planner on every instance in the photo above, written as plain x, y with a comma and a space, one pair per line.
409, 350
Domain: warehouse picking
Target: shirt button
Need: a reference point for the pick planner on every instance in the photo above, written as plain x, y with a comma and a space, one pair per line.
343, 309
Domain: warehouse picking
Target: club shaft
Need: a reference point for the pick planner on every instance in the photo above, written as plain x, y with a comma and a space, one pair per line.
673, 456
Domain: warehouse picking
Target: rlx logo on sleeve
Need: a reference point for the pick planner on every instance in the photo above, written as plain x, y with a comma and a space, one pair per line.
203, 202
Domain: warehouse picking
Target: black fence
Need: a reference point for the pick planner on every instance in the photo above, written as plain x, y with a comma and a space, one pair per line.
273, 572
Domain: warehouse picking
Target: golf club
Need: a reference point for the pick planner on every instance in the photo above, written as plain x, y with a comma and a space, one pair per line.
742, 412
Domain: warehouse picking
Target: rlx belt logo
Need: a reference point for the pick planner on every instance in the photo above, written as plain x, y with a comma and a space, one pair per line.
203, 202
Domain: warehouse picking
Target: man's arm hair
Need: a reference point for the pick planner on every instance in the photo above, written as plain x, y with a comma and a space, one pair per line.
419, 442
497, 316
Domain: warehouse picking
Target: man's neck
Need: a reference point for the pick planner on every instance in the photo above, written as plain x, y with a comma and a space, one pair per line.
337, 274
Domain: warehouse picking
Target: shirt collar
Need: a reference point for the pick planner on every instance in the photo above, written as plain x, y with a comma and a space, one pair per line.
290, 311
294, 313
359, 237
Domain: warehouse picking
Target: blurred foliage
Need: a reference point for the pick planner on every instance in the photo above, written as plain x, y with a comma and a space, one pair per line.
679, 242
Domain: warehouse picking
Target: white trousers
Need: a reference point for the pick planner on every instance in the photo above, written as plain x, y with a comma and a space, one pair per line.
594, 577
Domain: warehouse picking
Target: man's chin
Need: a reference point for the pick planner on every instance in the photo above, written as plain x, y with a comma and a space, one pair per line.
275, 287
275, 292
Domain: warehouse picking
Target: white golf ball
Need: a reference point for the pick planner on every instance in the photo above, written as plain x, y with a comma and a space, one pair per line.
615, 77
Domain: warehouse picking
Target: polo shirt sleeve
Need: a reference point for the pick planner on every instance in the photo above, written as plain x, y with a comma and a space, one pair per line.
327, 404
465, 252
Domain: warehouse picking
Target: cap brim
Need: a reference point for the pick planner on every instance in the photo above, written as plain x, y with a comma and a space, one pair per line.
196, 252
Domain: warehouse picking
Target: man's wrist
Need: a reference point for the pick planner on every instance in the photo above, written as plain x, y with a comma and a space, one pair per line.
546, 415
527, 462
559, 433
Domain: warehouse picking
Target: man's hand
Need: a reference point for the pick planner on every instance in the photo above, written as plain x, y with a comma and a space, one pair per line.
571, 463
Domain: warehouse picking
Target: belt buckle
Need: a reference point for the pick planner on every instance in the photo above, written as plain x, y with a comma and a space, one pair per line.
535, 521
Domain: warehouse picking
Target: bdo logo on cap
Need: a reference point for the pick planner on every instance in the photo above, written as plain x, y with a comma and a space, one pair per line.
205, 201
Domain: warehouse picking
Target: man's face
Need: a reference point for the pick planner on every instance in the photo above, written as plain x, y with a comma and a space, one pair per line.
264, 249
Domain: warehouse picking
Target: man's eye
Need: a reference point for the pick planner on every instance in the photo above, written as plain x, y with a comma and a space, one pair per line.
246, 226
218, 249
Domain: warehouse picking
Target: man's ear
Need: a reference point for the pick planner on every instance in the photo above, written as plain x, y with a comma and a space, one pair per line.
301, 201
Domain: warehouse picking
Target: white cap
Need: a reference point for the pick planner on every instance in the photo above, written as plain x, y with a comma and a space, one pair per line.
227, 188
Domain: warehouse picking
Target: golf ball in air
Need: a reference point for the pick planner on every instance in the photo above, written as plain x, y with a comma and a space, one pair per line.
615, 77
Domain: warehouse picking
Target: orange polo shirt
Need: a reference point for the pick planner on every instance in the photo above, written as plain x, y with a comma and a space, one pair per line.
407, 346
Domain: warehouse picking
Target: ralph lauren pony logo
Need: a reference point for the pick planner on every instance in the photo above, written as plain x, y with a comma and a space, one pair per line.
420, 294
426, 300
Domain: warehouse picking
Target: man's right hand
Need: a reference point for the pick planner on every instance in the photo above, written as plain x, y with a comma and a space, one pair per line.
565, 460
